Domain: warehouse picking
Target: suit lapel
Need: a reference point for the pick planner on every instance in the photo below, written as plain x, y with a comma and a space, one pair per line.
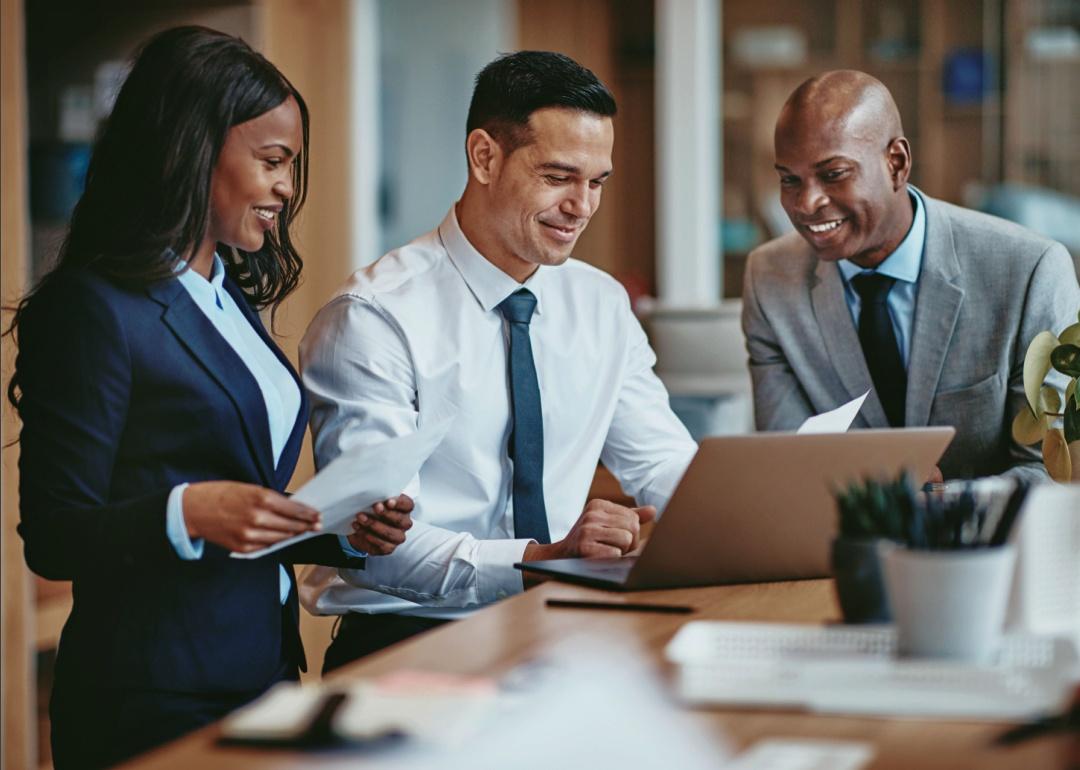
842, 342
198, 335
936, 311
291, 451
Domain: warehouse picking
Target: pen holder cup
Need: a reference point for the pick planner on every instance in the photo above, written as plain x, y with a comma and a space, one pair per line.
948, 604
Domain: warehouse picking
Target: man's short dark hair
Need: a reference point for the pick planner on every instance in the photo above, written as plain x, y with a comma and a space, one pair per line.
514, 86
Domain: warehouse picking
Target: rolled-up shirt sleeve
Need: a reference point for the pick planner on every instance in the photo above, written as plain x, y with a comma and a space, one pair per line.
647, 447
358, 371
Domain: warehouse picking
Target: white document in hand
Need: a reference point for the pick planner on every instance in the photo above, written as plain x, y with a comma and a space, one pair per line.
360, 477
835, 421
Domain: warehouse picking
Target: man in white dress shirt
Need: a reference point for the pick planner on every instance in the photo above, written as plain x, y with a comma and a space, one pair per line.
538, 355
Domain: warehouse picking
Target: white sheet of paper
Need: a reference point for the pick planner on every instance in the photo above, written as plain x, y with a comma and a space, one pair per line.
836, 421
441, 717
360, 477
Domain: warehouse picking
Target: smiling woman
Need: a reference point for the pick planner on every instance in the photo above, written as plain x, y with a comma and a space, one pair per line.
160, 421
253, 179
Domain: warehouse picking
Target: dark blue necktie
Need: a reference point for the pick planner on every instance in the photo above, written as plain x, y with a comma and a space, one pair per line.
527, 432
880, 349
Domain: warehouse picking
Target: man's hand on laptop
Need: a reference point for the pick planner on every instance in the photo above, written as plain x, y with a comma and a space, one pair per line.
605, 530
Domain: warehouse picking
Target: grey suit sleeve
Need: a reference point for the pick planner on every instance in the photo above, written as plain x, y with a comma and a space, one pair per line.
1052, 301
780, 403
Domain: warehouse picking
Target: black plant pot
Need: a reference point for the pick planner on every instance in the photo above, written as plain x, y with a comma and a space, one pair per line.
860, 588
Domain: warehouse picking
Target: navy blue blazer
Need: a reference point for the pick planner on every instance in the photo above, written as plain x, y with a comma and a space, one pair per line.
125, 394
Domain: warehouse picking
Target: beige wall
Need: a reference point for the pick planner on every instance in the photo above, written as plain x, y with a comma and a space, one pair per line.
581, 29
17, 696
613, 38
307, 40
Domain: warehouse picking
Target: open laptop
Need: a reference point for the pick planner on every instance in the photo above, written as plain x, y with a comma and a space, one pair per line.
756, 508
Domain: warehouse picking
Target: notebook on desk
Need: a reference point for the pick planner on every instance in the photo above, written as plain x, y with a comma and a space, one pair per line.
756, 508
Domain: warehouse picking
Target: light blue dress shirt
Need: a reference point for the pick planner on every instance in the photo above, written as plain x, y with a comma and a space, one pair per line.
903, 265
280, 392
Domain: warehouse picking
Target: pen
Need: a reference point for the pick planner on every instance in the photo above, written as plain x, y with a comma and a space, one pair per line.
1037, 728
1068, 721
1008, 516
578, 604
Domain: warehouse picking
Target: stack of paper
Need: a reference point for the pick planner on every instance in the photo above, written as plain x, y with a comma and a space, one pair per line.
431, 708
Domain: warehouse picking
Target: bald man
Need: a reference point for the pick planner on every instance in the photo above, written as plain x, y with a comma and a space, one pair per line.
928, 305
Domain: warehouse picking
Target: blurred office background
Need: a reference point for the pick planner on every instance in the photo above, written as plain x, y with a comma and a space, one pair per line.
987, 89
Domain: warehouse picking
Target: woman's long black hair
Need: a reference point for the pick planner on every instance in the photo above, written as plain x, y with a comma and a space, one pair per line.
147, 198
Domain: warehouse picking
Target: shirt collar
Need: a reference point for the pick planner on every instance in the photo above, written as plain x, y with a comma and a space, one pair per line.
488, 284
904, 263
199, 286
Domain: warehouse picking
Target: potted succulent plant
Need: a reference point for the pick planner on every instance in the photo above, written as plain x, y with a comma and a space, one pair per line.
946, 579
1047, 419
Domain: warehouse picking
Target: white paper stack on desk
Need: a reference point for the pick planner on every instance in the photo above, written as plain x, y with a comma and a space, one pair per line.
432, 708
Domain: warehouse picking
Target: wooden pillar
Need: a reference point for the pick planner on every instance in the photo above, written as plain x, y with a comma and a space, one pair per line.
312, 42
308, 40
582, 29
17, 697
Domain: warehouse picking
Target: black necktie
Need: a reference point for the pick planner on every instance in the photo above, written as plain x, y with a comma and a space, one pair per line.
527, 434
879, 344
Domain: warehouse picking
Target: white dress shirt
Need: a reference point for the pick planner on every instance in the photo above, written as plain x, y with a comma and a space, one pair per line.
417, 336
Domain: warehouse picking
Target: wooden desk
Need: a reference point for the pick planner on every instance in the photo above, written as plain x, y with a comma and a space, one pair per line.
500, 637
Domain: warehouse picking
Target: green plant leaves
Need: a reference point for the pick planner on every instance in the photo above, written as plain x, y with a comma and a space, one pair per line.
1060, 446
1056, 457
1049, 400
1066, 359
1030, 427
1071, 427
893, 510
1027, 429
875, 509
1071, 335
1037, 366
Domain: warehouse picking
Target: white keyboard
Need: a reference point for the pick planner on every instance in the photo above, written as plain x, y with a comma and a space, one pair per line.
855, 670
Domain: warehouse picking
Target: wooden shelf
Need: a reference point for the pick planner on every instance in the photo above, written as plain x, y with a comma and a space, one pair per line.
967, 111
955, 144
909, 64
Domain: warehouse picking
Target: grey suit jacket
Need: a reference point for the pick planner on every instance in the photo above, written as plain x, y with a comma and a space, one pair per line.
986, 287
